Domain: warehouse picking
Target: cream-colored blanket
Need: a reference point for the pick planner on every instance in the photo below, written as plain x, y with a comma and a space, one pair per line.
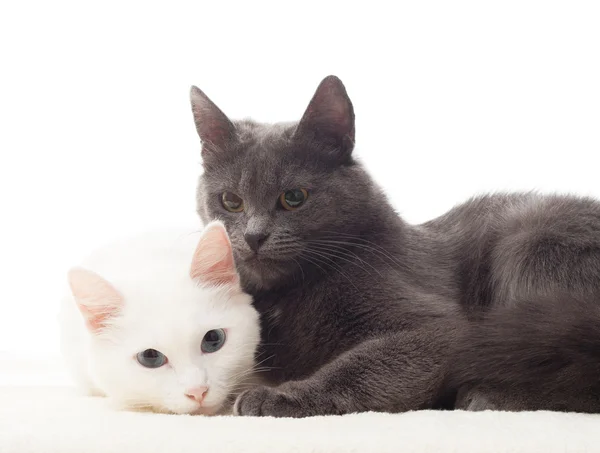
54, 419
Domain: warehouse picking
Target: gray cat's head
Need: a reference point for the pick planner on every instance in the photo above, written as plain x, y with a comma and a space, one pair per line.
280, 187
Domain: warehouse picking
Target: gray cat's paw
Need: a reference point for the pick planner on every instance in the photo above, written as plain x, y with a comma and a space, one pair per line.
475, 401
283, 401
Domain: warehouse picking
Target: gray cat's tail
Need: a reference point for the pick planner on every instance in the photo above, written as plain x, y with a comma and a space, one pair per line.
536, 355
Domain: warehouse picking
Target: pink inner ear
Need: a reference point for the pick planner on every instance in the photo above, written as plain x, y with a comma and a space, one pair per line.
330, 110
213, 126
213, 263
96, 298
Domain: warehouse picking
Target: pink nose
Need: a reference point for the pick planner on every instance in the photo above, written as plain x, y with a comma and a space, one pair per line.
197, 393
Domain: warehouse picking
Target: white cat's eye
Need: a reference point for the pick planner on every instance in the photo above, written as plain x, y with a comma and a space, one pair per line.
151, 358
213, 340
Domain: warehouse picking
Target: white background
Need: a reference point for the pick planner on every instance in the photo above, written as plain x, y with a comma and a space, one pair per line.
97, 141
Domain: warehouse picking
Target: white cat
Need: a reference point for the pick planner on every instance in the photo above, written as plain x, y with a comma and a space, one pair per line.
160, 322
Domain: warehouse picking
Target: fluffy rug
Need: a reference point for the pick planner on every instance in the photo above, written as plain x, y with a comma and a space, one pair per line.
54, 419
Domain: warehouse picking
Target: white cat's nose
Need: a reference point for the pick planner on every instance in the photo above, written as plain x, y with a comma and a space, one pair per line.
197, 393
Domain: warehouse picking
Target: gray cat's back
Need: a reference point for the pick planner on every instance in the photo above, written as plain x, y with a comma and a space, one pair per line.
504, 247
513, 212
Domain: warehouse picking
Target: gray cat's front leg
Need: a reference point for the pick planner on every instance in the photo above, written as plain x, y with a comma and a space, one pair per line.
394, 373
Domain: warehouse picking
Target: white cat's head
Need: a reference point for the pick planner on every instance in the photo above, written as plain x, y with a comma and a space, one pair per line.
171, 342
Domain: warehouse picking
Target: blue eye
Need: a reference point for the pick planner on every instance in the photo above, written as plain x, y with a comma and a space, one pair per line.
151, 358
213, 340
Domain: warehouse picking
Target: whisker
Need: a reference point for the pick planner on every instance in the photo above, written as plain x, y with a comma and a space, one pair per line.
302, 256
341, 253
264, 360
340, 247
368, 248
332, 264
301, 270
360, 238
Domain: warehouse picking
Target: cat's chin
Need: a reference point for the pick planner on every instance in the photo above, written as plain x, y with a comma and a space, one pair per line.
262, 273
186, 410
207, 411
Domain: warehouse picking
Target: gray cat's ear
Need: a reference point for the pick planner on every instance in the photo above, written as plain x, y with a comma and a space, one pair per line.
329, 118
213, 126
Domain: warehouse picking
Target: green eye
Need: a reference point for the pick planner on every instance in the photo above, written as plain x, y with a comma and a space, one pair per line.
293, 199
232, 202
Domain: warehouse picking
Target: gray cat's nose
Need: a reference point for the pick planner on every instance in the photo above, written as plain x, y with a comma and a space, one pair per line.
255, 240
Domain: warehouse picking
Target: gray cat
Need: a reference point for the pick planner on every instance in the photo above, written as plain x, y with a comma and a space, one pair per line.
363, 312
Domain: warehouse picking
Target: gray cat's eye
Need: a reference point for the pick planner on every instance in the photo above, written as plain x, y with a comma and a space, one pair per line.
213, 340
232, 202
151, 358
293, 199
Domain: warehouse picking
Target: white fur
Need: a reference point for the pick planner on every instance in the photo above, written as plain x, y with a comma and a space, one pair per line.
164, 309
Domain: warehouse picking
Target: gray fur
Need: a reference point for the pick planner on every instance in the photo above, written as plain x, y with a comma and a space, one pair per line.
540, 354
362, 311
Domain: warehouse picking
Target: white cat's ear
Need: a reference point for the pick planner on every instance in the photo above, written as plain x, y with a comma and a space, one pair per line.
213, 263
329, 118
96, 298
214, 128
